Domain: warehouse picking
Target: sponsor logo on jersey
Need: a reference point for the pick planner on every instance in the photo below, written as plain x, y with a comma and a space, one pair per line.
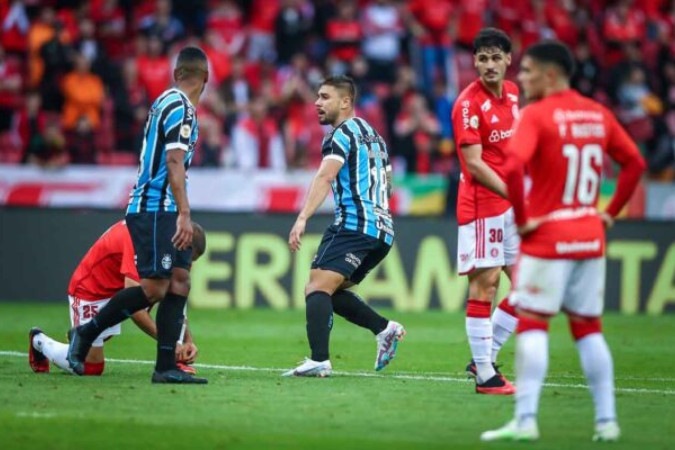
485, 107
465, 114
352, 259
513, 98
577, 246
473, 121
499, 135
494, 119
185, 131
166, 261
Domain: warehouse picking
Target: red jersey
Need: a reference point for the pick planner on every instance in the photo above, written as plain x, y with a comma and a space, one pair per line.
562, 140
479, 117
101, 272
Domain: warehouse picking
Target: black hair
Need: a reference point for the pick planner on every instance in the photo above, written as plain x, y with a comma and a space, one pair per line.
491, 37
190, 61
553, 52
343, 83
198, 239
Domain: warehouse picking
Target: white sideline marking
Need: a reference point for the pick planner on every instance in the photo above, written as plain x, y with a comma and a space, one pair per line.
394, 375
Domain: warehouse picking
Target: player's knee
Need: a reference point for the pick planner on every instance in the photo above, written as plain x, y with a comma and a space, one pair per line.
180, 282
94, 369
582, 327
529, 322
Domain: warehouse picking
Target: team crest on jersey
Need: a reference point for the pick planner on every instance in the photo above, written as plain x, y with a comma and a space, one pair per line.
485, 107
185, 131
166, 261
473, 121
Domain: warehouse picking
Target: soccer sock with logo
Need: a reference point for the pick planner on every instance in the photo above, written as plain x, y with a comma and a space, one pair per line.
350, 306
479, 332
120, 307
319, 314
504, 322
531, 367
169, 321
596, 361
54, 351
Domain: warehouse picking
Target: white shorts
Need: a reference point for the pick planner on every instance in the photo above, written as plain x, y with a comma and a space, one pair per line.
82, 311
548, 285
487, 242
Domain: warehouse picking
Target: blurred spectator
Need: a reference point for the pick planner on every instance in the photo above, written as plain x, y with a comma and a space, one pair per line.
393, 102
154, 68
56, 60
227, 21
624, 24
162, 23
417, 130
111, 25
235, 92
219, 59
15, 25
262, 29
41, 31
343, 33
291, 28
382, 30
301, 130
256, 141
471, 18
10, 89
636, 105
131, 108
83, 97
43, 142
587, 74
430, 24
192, 14
559, 18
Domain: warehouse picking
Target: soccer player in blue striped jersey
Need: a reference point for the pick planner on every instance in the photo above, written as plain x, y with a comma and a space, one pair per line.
158, 220
356, 166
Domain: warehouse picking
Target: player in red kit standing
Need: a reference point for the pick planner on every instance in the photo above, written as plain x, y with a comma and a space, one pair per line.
483, 118
561, 139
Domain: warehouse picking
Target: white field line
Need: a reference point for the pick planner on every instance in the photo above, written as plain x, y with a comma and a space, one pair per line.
395, 375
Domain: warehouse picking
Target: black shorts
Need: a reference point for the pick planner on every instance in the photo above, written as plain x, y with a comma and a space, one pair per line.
349, 253
151, 233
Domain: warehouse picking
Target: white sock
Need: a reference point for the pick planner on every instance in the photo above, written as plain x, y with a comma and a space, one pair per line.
54, 351
531, 367
503, 325
596, 361
479, 332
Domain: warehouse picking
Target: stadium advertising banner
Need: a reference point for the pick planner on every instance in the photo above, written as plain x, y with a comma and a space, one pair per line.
247, 263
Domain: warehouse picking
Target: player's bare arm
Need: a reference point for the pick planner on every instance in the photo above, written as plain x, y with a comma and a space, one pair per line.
481, 172
318, 190
176, 168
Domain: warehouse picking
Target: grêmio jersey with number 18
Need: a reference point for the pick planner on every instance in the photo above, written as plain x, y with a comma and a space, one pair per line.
562, 140
481, 118
360, 190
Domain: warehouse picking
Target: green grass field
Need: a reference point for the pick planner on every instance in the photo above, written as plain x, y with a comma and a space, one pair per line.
421, 401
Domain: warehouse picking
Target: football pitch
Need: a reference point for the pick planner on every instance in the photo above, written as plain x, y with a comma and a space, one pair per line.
421, 401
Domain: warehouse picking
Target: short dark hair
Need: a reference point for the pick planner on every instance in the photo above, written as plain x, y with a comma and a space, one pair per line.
189, 62
491, 37
553, 52
343, 83
198, 239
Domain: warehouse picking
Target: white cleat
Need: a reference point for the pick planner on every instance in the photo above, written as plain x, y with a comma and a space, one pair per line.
512, 432
387, 341
311, 368
606, 432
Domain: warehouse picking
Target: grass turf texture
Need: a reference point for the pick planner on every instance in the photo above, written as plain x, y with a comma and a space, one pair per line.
421, 401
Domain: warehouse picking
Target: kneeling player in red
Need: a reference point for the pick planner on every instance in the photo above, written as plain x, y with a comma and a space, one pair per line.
107, 268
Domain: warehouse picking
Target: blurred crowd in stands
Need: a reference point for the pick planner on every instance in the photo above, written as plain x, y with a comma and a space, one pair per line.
77, 76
